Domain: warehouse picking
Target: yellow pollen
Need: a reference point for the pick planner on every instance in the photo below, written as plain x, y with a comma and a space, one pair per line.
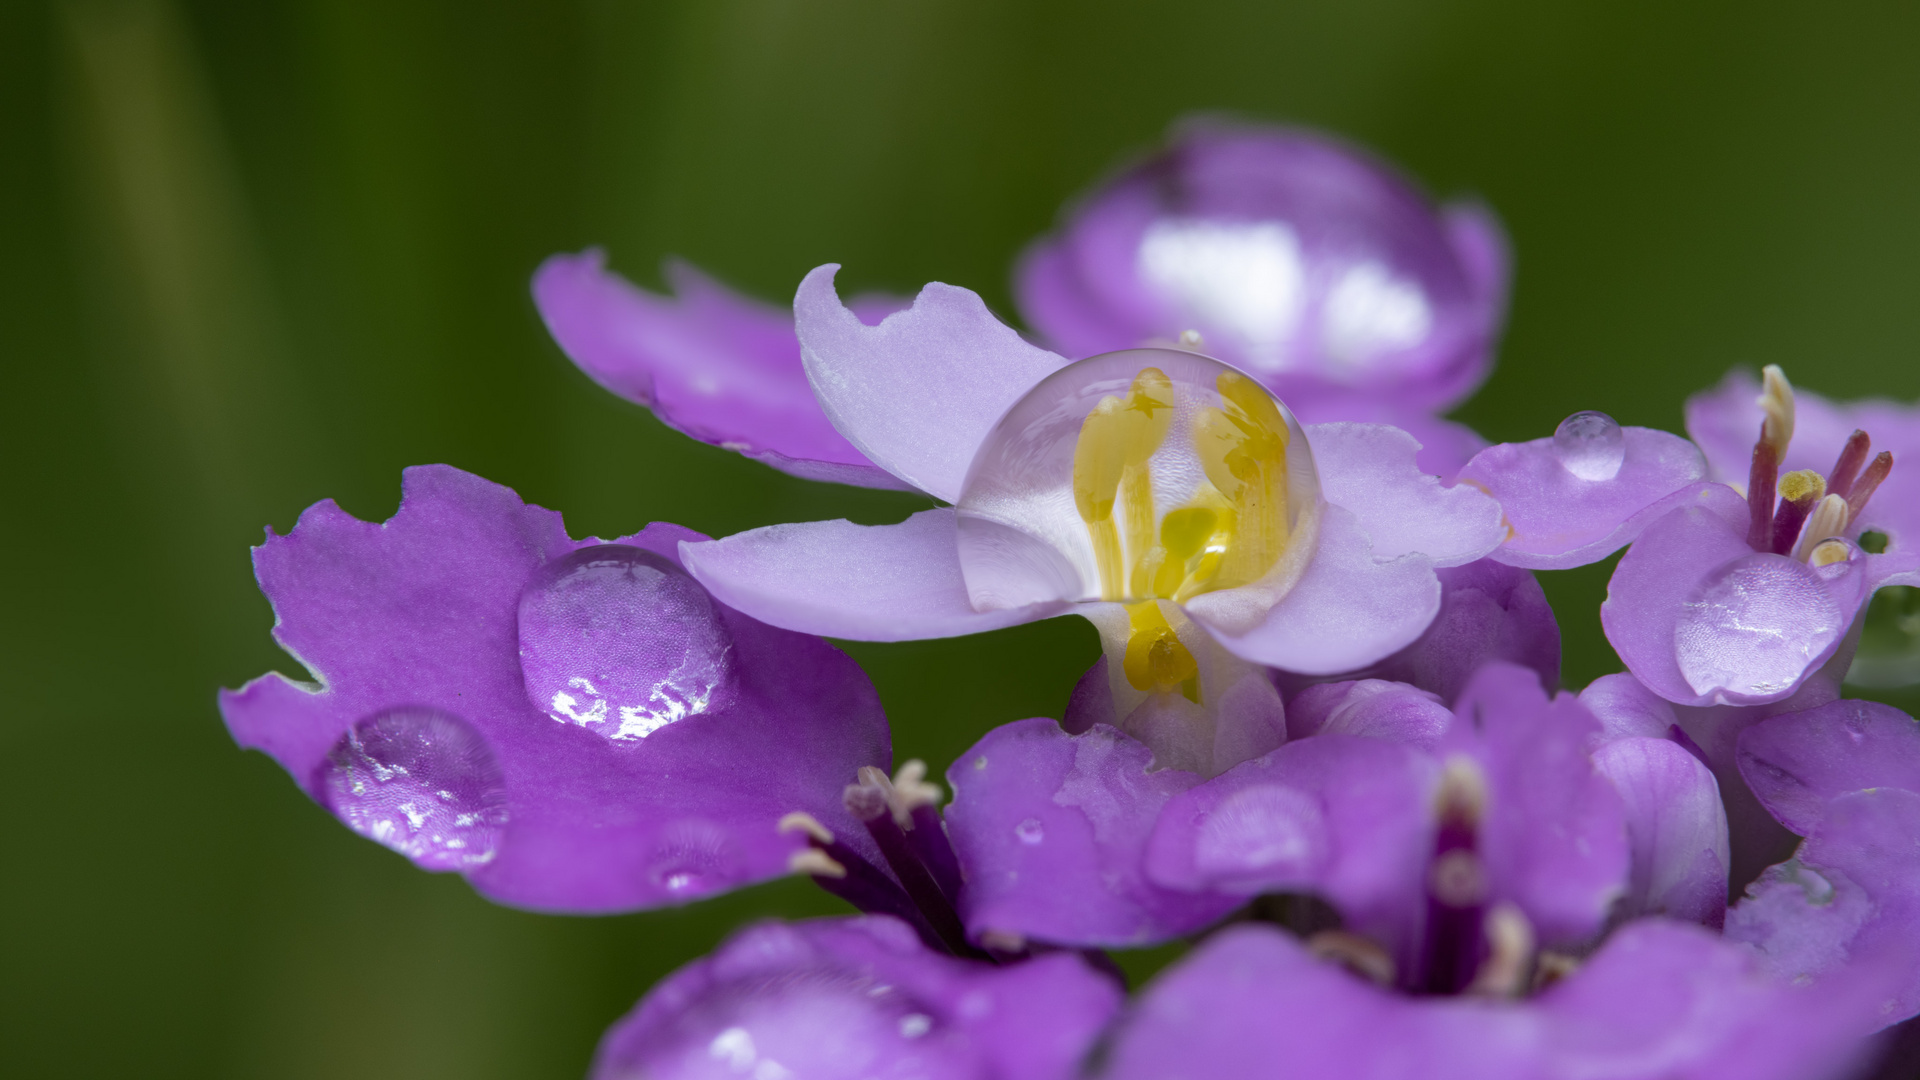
1828, 552
1155, 660
1229, 532
1802, 484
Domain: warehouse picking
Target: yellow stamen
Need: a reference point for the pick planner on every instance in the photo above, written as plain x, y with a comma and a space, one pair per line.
1110, 464
1801, 484
1155, 660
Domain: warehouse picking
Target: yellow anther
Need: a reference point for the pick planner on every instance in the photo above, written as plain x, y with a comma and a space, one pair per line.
1802, 484
1828, 552
1243, 450
1776, 400
1110, 464
1155, 660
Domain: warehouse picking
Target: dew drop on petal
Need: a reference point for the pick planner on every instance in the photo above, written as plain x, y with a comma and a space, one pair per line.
1754, 626
1590, 445
1030, 831
693, 858
1130, 476
622, 642
422, 782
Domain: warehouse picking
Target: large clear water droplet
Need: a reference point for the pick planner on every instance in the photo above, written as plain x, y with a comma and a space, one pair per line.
622, 642
421, 782
1133, 475
1754, 626
1590, 445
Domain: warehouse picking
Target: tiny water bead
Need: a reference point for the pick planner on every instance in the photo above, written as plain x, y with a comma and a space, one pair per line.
622, 642
1133, 476
422, 782
1590, 445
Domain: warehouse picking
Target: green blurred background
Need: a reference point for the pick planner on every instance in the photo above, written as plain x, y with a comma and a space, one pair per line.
261, 253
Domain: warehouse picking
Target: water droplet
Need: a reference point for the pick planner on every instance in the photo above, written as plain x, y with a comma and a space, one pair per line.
1030, 831
915, 1025
693, 858
1754, 626
622, 642
1590, 445
421, 782
1133, 475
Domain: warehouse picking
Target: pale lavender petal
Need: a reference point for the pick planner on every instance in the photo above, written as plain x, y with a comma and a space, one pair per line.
1701, 618
423, 734
918, 393
858, 997
1554, 835
1370, 708
860, 582
709, 363
1298, 259
1846, 909
1676, 830
1726, 420
1347, 610
1052, 829
1369, 470
1445, 446
1564, 510
1797, 763
1627, 710
1341, 817
1660, 1001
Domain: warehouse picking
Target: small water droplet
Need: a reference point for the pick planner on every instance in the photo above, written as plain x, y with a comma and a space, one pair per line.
421, 782
914, 1025
1754, 626
1030, 831
1590, 445
693, 858
622, 642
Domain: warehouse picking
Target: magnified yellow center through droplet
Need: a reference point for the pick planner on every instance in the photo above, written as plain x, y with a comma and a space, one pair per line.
1231, 529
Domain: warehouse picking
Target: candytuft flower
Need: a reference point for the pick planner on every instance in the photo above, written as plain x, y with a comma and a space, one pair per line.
572, 725
1159, 492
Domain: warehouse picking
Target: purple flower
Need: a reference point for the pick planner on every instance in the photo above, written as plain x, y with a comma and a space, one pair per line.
710, 363
572, 725
858, 998
1741, 598
1846, 776
1162, 494
1306, 263
1659, 1001
1301, 260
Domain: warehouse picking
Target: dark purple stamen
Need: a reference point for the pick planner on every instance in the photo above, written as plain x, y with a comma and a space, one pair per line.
1456, 890
913, 874
928, 839
1788, 518
1869, 482
866, 887
1852, 456
1761, 478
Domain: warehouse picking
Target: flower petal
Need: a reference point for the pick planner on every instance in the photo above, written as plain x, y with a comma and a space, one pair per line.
1559, 520
858, 997
1369, 470
710, 363
1797, 763
1051, 829
1347, 610
860, 582
421, 733
918, 393
1676, 829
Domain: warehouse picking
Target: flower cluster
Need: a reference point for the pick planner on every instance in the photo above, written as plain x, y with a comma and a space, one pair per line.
1325, 742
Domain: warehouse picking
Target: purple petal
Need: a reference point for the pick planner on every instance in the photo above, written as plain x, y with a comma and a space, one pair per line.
1554, 837
1626, 709
860, 582
1347, 610
422, 734
710, 363
1559, 519
1488, 611
1370, 708
1796, 764
918, 393
1298, 259
1369, 470
1051, 829
858, 997
1344, 818
1845, 911
1700, 618
1659, 1001
1676, 830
